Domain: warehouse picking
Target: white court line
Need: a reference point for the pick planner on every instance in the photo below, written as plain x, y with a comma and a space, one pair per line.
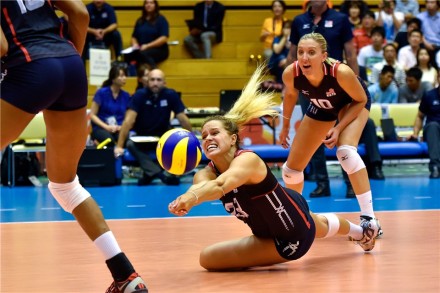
136, 206
383, 198
50, 208
343, 199
422, 197
8, 210
214, 203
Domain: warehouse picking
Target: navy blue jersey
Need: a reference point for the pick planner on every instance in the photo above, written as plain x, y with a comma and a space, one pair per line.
272, 211
334, 26
430, 105
328, 98
33, 31
153, 112
101, 18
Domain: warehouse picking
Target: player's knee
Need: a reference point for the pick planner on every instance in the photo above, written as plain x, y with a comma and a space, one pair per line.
292, 176
69, 195
332, 223
349, 158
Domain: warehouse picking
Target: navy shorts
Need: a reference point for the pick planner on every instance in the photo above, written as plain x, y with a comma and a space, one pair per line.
295, 247
58, 84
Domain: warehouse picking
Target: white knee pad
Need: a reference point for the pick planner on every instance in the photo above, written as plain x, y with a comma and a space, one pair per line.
292, 176
333, 224
69, 195
349, 158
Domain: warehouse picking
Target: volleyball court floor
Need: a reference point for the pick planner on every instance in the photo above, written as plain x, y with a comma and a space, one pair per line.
44, 250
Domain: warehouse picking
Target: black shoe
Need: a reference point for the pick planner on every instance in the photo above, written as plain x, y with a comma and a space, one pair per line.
435, 173
320, 191
376, 173
350, 192
145, 180
169, 179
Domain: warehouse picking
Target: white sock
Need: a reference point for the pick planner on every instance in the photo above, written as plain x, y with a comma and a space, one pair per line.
107, 244
366, 203
356, 231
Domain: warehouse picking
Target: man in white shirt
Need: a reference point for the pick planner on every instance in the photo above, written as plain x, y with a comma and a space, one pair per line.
372, 54
407, 55
390, 58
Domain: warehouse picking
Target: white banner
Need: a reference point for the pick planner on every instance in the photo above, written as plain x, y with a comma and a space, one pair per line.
99, 65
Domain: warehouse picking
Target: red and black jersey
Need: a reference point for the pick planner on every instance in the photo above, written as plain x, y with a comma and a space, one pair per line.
33, 31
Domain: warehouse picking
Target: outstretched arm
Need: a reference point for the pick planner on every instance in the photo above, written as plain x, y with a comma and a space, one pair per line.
247, 168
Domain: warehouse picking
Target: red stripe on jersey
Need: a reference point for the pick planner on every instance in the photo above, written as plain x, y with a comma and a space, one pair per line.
297, 208
335, 69
297, 69
14, 34
324, 68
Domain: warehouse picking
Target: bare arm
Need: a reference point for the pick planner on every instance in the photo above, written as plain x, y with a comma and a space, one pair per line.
156, 43
418, 125
184, 121
292, 54
247, 168
351, 85
351, 56
4, 44
129, 119
94, 109
289, 102
78, 17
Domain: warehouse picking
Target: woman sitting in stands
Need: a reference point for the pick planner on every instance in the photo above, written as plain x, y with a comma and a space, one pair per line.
108, 107
150, 36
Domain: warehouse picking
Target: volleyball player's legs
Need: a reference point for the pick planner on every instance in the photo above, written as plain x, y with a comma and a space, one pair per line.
240, 253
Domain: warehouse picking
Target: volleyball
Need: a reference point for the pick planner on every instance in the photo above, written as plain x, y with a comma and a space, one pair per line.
178, 151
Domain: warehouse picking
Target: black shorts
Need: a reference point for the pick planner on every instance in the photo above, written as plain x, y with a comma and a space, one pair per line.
295, 247
51, 83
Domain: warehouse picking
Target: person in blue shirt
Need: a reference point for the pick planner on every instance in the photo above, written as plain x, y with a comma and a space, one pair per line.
150, 37
103, 28
109, 106
148, 114
429, 111
384, 91
43, 72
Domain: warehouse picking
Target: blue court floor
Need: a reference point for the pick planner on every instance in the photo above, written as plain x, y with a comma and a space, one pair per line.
400, 191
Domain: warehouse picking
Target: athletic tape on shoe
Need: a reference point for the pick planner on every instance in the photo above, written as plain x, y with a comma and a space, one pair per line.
292, 176
349, 159
333, 224
69, 195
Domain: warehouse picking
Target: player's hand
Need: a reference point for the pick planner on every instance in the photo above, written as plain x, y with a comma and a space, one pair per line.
284, 137
118, 151
332, 138
182, 205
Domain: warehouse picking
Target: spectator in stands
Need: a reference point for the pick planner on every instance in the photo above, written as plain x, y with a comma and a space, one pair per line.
108, 107
362, 35
389, 18
346, 4
355, 12
206, 28
427, 66
407, 55
142, 76
273, 27
307, 4
409, 8
402, 37
102, 30
335, 28
414, 88
372, 54
148, 114
281, 47
431, 25
390, 58
429, 109
384, 91
150, 36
